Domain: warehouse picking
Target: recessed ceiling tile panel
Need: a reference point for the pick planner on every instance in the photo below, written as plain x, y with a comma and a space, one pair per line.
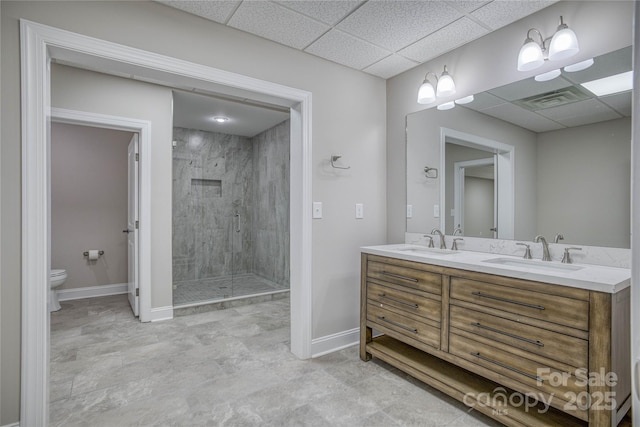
448, 38
580, 113
528, 87
497, 14
347, 50
523, 118
277, 23
484, 100
396, 24
218, 11
468, 6
620, 102
390, 66
328, 11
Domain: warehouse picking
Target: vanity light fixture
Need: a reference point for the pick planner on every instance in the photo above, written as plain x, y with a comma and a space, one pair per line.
465, 100
549, 75
446, 106
445, 86
579, 66
564, 44
220, 119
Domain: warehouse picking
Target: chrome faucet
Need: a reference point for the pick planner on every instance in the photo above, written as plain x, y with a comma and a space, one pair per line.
442, 242
457, 231
545, 247
558, 237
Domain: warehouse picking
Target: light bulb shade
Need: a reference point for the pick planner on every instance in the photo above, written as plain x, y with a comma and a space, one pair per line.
465, 100
446, 106
530, 56
549, 75
446, 86
564, 44
426, 93
579, 66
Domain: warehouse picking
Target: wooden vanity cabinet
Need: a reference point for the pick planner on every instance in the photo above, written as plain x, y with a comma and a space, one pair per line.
474, 335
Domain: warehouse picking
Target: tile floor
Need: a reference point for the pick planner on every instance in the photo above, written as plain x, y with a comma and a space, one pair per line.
223, 368
190, 291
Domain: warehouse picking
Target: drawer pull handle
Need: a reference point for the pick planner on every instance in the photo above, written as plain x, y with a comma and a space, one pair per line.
510, 301
398, 301
498, 331
397, 276
502, 365
384, 319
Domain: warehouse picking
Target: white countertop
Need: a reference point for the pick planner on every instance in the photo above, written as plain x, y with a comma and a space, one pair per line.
590, 277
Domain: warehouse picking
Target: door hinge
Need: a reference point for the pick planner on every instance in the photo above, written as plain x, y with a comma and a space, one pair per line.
137, 292
137, 224
137, 157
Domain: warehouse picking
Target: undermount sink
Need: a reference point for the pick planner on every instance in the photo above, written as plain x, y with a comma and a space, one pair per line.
538, 265
428, 251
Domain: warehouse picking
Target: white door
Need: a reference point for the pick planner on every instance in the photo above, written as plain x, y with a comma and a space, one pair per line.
132, 225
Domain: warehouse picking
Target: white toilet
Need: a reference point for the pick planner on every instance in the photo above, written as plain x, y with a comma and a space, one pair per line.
56, 278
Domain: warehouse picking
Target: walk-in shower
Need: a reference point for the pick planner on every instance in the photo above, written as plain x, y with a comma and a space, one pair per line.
230, 214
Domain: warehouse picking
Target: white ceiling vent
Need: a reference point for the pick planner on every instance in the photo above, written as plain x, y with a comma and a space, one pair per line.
551, 99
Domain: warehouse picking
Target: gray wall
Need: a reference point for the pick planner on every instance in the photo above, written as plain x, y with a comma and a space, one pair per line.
271, 203
604, 190
205, 243
349, 111
479, 206
89, 203
489, 62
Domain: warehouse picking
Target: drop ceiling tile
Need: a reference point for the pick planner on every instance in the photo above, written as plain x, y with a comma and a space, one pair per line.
328, 11
218, 11
580, 113
497, 14
528, 87
347, 50
610, 64
468, 6
523, 118
448, 38
484, 100
277, 23
621, 102
390, 66
396, 24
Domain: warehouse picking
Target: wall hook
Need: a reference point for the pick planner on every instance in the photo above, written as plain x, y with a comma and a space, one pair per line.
334, 158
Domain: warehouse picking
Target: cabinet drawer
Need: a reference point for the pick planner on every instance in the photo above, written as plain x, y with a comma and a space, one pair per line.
405, 276
552, 308
425, 331
401, 301
563, 348
563, 385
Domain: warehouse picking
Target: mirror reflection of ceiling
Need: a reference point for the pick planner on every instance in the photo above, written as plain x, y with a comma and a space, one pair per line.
503, 102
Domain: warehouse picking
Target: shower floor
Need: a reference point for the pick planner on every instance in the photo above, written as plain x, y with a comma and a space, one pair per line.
219, 288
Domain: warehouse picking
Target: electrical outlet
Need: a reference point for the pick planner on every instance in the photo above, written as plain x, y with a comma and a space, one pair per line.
409, 211
436, 211
317, 210
359, 211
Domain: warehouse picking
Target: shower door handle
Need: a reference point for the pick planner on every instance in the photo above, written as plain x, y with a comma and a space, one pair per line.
238, 228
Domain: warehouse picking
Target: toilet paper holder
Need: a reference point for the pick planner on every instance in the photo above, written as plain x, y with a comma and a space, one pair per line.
86, 253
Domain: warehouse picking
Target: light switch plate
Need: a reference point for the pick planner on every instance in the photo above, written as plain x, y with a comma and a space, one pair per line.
409, 211
317, 210
359, 211
436, 211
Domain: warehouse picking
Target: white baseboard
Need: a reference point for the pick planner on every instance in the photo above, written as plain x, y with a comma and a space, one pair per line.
161, 313
334, 342
11, 425
92, 291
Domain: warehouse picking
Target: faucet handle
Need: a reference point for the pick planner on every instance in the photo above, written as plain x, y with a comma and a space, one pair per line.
527, 251
454, 247
566, 258
430, 240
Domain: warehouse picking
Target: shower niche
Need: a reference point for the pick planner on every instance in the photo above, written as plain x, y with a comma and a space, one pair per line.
230, 214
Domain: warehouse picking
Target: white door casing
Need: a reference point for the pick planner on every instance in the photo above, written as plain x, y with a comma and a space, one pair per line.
39, 45
132, 224
458, 189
